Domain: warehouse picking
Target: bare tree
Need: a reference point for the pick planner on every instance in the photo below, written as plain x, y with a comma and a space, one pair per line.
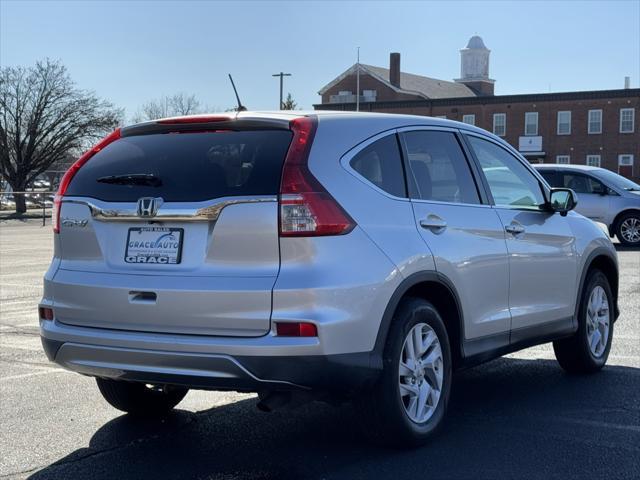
289, 103
44, 118
168, 106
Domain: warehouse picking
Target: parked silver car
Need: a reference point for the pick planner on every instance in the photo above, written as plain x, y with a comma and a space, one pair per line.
604, 197
321, 255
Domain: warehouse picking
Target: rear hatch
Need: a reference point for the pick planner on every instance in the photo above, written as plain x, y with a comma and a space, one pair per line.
174, 228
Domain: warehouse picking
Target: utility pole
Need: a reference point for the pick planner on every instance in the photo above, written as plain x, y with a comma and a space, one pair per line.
358, 82
281, 75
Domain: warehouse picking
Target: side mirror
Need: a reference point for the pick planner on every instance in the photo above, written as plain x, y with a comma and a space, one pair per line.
562, 200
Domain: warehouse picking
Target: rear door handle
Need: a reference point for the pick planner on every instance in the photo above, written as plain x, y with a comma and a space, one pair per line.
514, 229
143, 297
433, 223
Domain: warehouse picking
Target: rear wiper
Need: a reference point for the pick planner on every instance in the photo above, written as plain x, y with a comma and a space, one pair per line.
148, 179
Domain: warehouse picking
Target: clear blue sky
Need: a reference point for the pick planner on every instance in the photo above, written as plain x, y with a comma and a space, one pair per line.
130, 52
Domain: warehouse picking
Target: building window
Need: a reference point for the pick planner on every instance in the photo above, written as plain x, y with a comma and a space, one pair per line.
531, 123
593, 160
627, 120
595, 121
625, 160
369, 95
470, 119
500, 124
564, 123
563, 159
441, 116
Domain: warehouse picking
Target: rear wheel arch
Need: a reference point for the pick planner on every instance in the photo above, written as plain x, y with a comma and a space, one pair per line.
440, 292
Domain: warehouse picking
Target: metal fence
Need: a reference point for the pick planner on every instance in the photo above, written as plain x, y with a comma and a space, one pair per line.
39, 204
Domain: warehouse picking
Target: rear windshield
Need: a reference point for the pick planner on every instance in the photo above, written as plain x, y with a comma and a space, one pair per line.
185, 167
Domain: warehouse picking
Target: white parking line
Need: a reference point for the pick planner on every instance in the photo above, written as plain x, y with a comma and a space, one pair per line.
6, 345
33, 374
595, 423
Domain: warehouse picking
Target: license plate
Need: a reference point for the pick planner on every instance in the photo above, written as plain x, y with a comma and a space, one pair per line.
154, 245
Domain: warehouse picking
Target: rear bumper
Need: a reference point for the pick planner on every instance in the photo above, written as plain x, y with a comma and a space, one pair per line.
88, 351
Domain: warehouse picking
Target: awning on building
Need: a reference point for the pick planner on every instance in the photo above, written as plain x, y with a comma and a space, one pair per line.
533, 154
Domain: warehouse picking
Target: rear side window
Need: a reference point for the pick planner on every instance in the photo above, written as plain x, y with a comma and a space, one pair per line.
190, 166
552, 177
439, 168
381, 164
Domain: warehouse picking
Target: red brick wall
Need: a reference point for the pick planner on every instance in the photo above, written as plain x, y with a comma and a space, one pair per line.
609, 144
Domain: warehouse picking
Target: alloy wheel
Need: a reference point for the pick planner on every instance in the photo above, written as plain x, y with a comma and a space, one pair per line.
598, 319
421, 373
630, 230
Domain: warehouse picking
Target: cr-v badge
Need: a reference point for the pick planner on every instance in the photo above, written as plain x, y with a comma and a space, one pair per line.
74, 222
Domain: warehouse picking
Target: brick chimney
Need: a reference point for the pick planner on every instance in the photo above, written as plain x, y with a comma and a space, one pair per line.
394, 69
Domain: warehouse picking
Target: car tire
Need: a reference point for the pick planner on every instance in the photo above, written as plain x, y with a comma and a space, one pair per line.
389, 414
588, 349
140, 399
628, 229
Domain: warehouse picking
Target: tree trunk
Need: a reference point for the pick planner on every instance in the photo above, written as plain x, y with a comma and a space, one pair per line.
19, 198
21, 206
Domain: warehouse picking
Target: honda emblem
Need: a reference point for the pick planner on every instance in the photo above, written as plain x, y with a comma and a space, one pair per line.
148, 206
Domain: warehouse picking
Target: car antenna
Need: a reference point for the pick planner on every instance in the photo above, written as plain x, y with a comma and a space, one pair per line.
241, 108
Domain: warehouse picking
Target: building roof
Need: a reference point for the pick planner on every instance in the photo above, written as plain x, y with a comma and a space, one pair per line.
476, 43
502, 99
411, 84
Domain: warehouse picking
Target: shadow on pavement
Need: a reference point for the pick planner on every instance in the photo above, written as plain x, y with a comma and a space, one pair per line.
510, 418
626, 248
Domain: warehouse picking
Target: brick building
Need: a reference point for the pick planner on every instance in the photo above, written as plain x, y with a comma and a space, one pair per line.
593, 127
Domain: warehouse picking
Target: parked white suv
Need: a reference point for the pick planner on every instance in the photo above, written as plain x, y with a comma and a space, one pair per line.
327, 255
605, 197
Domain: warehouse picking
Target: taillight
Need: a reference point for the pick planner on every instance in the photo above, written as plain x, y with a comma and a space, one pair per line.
296, 329
69, 174
45, 313
306, 208
194, 119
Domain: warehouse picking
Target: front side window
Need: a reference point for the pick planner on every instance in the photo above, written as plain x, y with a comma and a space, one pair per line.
564, 123
381, 164
595, 122
582, 183
593, 160
438, 168
531, 123
510, 182
627, 120
563, 159
500, 124
469, 119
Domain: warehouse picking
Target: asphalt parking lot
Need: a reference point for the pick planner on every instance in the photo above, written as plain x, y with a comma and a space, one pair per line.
518, 416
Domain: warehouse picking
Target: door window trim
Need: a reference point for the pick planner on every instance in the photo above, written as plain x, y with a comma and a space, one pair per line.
509, 149
482, 195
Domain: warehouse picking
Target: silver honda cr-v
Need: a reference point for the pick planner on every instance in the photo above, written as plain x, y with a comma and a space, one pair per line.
322, 255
